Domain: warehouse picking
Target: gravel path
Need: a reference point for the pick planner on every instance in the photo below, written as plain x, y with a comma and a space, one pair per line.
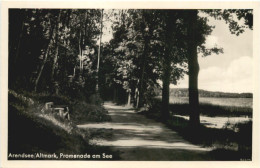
139, 138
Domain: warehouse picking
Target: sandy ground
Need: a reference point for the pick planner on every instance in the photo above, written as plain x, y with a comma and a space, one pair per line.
136, 137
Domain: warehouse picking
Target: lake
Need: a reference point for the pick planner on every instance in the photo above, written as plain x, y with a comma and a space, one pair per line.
218, 122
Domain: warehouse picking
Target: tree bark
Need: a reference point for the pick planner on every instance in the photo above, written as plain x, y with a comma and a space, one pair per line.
114, 95
44, 62
129, 98
141, 92
80, 51
53, 33
99, 48
136, 97
54, 65
167, 70
55, 59
142, 80
166, 90
193, 67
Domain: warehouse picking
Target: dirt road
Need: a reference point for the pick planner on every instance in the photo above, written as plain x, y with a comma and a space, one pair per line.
139, 138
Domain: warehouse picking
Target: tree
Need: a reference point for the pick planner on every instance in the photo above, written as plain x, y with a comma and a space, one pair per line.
53, 33
172, 55
133, 62
193, 67
196, 38
47, 49
152, 43
99, 47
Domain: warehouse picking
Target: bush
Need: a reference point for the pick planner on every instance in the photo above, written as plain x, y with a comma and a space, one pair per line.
96, 99
244, 135
43, 98
80, 111
31, 131
84, 112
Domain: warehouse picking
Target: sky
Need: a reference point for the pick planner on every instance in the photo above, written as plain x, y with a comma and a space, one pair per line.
231, 71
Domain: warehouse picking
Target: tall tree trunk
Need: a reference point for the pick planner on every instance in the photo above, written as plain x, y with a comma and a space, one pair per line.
85, 29
129, 98
52, 37
141, 92
169, 43
136, 97
80, 53
166, 87
142, 80
193, 67
99, 48
55, 59
43, 64
54, 65
114, 95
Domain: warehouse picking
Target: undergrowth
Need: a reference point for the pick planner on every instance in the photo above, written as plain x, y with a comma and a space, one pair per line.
31, 130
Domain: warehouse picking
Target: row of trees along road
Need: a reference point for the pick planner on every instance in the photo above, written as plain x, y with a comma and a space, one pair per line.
59, 51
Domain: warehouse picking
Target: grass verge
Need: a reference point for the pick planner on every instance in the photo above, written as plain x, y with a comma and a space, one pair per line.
213, 110
226, 144
32, 131
207, 109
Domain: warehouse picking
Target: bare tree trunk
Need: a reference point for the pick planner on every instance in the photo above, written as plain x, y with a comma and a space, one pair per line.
193, 66
129, 98
80, 51
86, 26
141, 92
55, 59
54, 65
52, 37
99, 48
169, 43
114, 95
136, 97
43, 64
142, 82
166, 88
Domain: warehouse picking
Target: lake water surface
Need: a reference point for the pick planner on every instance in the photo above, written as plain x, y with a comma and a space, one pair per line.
219, 122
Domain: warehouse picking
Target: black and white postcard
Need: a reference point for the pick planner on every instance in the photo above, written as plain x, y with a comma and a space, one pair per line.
112, 84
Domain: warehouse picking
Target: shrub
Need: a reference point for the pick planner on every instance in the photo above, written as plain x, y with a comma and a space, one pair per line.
96, 99
31, 131
84, 112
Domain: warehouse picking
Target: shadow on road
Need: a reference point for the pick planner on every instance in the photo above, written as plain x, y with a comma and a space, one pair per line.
139, 138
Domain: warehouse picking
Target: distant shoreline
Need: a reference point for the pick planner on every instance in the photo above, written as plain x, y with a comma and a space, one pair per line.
183, 92
217, 101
